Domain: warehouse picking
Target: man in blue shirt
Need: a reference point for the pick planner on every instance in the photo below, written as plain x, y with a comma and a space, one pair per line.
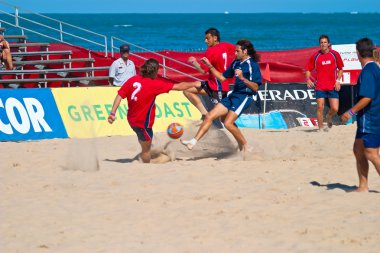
367, 108
247, 81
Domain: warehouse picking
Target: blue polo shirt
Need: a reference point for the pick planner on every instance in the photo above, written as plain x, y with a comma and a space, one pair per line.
368, 85
251, 71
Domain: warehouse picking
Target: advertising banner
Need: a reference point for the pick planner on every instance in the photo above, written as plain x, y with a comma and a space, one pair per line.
85, 111
287, 105
352, 66
29, 114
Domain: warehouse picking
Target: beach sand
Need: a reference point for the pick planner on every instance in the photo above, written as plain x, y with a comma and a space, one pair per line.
66, 195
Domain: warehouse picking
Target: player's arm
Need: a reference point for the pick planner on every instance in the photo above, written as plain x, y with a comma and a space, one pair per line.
309, 67
116, 103
309, 81
196, 65
215, 72
337, 82
186, 85
252, 85
363, 102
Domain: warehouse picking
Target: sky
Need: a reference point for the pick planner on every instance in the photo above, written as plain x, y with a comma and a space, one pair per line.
195, 6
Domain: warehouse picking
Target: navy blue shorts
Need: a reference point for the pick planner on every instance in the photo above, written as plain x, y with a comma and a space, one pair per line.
237, 102
326, 94
369, 140
143, 134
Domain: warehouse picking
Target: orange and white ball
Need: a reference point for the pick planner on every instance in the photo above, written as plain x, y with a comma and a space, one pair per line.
175, 130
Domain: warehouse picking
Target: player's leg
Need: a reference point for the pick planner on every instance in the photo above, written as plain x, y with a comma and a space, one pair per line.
320, 107
145, 136
334, 106
145, 151
239, 104
371, 145
372, 155
192, 95
229, 123
218, 111
8, 58
361, 164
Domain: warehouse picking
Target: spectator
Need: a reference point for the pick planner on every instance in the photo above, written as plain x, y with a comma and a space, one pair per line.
122, 69
5, 53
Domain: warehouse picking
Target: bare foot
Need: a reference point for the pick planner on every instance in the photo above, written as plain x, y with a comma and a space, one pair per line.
361, 189
329, 122
247, 151
247, 148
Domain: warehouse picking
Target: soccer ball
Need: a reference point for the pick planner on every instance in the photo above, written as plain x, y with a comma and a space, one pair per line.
175, 130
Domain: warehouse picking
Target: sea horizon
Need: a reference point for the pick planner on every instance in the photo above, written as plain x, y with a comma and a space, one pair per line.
276, 31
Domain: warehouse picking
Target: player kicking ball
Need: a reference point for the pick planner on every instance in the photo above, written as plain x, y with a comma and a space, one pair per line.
247, 75
141, 92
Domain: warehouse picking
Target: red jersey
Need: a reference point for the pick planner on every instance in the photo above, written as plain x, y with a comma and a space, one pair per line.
220, 56
326, 66
141, 94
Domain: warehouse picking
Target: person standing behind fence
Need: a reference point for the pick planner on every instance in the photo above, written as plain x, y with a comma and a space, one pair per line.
328, 65
220, 55
122, 69
367, 108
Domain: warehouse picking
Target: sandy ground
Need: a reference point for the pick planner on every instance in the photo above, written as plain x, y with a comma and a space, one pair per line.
291, 195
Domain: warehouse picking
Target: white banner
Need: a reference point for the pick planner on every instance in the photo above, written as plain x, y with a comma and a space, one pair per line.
349, 56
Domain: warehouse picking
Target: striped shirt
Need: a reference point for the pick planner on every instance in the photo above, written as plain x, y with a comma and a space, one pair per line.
251, 71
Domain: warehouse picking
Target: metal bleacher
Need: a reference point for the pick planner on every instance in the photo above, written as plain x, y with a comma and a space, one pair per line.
37, 62
39, 69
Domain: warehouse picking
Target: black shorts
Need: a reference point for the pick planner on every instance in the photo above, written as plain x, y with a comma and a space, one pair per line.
215, 96
143, 134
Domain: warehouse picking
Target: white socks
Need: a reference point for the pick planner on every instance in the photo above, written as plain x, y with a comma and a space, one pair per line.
192, 142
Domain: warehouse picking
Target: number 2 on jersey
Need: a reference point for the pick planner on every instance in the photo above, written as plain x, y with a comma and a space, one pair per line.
137, 87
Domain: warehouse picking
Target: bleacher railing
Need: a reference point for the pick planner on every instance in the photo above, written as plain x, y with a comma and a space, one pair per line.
57, 27
17, 19
164, 58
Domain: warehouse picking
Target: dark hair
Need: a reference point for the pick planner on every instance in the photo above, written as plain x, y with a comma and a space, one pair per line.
324, 36
213, 32
365, 47
246, 44
150, 68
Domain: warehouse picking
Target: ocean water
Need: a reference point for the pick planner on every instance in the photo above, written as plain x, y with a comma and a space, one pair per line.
185, 32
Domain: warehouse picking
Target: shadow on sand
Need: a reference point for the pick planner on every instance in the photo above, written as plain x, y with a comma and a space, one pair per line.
125, 160
344, 187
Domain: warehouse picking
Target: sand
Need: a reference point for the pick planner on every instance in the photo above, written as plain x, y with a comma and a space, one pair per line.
291, 195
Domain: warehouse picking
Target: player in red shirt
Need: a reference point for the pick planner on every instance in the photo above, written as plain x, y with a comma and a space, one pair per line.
328, 65
220, 55
141, 92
